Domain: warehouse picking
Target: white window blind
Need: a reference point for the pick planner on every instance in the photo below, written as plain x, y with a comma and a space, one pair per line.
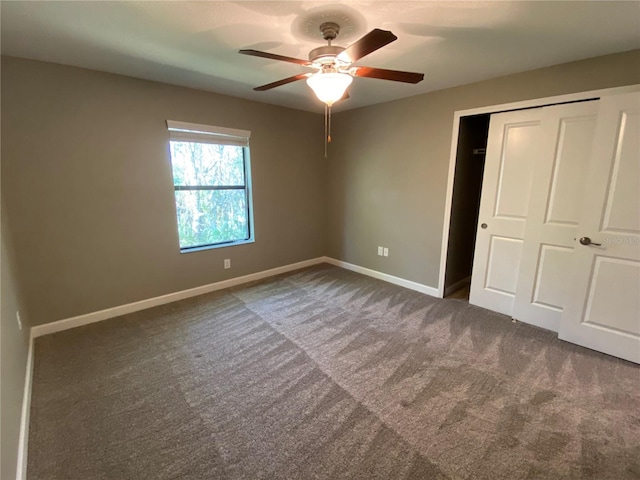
194, 132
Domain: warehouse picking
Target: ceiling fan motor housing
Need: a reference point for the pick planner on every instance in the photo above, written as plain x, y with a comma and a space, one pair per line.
324, 54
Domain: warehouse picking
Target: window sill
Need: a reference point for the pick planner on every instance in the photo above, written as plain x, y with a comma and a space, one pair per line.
219, 245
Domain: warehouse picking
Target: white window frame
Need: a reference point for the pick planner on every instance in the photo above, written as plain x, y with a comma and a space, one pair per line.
199, 133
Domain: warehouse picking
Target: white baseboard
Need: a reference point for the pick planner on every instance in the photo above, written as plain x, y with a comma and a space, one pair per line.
23, 439
419, 287
80, 320
457, 286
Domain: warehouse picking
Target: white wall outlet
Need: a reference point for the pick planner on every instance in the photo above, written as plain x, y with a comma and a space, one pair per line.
386, 252
18, 320
227, 263
380, 251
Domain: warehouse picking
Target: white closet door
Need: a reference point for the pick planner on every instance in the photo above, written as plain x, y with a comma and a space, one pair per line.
554, 212
513, 147
603, 307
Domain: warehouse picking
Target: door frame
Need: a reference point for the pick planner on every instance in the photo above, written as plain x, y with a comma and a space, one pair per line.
504, 107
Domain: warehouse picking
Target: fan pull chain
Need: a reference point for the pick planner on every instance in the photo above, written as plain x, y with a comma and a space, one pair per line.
326, 129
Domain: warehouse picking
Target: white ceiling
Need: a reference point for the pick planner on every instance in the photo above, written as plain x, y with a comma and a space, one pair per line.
195, 44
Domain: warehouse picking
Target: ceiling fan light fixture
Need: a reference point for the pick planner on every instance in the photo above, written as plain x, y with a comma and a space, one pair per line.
329, 87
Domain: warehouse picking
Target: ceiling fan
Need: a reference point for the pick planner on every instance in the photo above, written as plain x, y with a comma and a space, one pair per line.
334, 64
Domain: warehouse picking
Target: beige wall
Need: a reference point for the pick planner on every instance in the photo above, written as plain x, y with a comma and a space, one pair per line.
389, 163
13, 355
86, 179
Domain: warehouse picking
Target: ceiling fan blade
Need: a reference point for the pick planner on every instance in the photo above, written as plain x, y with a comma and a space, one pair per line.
394, 75
273, 56
284, 81
371, 42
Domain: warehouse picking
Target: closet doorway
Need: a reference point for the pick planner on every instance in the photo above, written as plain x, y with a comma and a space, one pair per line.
465, 204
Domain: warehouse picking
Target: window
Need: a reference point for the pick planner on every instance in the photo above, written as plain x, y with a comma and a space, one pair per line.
212, 185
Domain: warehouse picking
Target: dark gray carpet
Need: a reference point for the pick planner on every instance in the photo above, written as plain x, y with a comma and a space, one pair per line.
327, 374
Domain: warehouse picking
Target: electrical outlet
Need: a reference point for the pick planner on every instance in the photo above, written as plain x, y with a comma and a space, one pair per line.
386, 252
18, 320
380, 251
227, 263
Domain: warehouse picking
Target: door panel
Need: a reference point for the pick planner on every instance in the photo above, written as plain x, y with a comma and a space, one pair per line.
504, 252
512, 149
622, 212
554, 212
603, 308
552, 277
573, 140
516, 167
614, 308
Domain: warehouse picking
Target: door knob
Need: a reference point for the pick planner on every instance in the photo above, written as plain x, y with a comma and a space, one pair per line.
587, 241
484, 225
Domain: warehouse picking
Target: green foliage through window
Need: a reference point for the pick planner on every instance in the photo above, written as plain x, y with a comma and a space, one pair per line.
212, 198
